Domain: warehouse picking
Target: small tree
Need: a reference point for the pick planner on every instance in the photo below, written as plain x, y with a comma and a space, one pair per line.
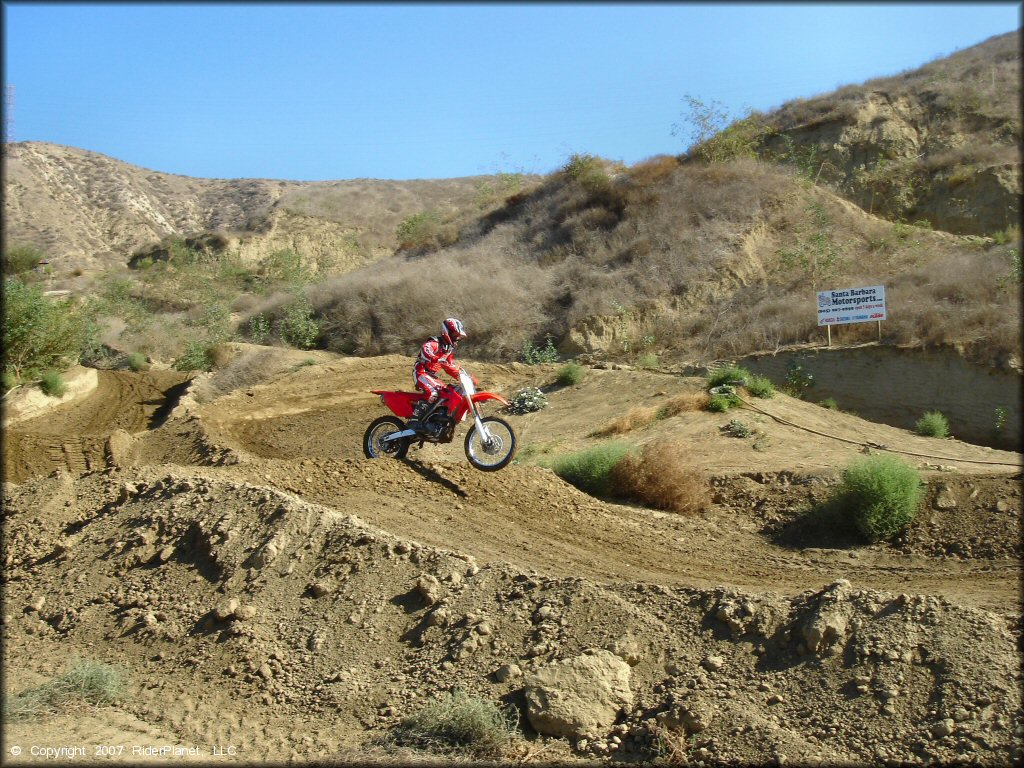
715, 136
39, 332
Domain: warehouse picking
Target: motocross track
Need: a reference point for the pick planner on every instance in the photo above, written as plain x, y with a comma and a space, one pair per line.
254, 487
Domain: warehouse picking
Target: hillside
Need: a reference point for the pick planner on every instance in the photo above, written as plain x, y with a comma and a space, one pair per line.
684, 261
87, 211
939, 144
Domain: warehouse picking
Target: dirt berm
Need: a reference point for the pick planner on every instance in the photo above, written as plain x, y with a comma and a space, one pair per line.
266, 588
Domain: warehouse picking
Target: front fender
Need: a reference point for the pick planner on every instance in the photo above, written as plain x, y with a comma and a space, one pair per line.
480, 397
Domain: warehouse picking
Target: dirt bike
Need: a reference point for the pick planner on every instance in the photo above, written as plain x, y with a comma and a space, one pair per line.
490, 442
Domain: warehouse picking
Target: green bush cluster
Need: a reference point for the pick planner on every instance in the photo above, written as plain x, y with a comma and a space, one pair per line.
425, 231
933, 424
737, 428
588, 170
198, 356
715, 136
21, 258
720, 402
533, 355
761, 386
40, 333
259, 328
647, 360
52, 384
570, 374
730, 375
297, 325
798, 379
881, 494
722, 382
589, 469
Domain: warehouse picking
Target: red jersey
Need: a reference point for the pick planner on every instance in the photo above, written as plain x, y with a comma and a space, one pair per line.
435, 355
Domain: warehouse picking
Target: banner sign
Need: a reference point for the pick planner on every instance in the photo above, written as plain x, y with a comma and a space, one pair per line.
851, 305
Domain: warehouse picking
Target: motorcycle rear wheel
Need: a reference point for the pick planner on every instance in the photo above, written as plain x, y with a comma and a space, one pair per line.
501, 450
374, 446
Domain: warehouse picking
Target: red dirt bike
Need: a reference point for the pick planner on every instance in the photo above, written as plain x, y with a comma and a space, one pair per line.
490, 442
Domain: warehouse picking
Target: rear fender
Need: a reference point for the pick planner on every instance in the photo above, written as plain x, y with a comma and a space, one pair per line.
399, 403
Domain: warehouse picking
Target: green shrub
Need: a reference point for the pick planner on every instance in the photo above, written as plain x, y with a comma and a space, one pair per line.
761, 386
52, 384
419, 230
527, 400
87, 682
798, 380
286, 266
532, 355
460, 724
21, 258
259, 328
589, 469
39, 332
932, 424
588, 170
1001, 415
137, 362
570, 374
722, 402
830, 403
197, 357
647, 360
736, 428
297, 325
731, 374
881, 494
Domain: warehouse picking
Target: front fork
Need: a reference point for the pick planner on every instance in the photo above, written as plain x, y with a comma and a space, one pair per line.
485, 436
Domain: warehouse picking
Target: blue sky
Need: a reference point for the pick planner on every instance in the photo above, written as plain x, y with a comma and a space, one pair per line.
402, 91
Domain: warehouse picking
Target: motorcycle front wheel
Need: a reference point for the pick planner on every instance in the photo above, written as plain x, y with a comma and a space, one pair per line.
373, 440
498, 451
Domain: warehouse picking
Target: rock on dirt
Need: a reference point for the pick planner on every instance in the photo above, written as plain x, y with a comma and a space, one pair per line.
578, 695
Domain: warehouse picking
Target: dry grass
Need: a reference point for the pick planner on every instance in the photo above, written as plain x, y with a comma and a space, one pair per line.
85, 682
659, 477
637, 418
634, 418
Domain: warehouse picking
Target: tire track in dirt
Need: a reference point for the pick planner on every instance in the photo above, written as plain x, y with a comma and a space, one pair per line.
73, 436
528, 517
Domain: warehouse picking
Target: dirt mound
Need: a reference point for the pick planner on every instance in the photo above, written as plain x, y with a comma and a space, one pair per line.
250, 615
266, 587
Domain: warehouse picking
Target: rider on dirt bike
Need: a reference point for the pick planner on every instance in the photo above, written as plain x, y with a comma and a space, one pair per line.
436, 354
